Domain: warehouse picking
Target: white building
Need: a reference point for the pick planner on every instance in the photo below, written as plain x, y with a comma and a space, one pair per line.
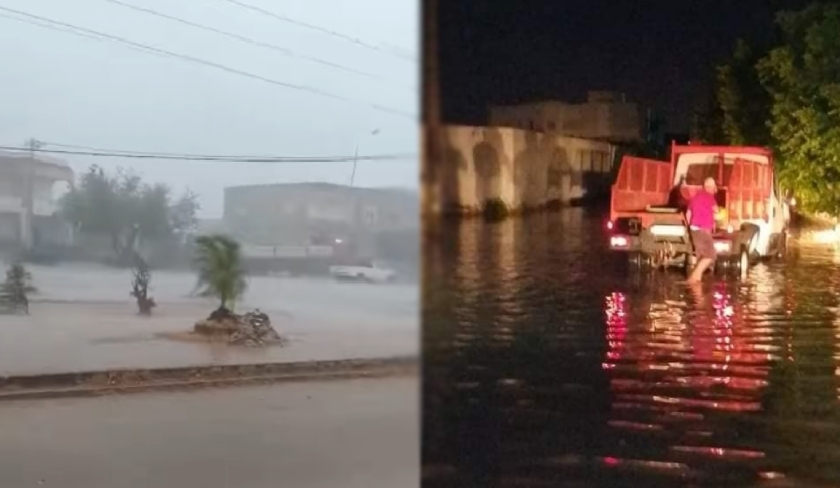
605, 116
16, 170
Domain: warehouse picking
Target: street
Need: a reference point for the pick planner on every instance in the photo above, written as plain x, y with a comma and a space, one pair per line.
543, 355
345, 434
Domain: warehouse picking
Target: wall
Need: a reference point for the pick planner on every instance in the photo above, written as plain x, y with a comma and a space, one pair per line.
9, 229
522, 169
282, 214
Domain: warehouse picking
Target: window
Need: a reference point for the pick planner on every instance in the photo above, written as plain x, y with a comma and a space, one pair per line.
370, 216
698, 172
608, 164
603, 161
585, 160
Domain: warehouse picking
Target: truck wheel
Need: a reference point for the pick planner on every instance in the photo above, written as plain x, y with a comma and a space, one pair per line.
750, 238
723, 265
781, 249
741, 262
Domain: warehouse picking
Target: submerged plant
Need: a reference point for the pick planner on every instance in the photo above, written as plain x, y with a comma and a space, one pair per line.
14, 292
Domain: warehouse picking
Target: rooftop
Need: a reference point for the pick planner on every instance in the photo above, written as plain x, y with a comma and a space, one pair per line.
45, 167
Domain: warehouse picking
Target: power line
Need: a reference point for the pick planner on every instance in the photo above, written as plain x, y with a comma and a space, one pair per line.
229, 159
217, 156
76, 30
122, 151
320, 29
248, 40
399, 51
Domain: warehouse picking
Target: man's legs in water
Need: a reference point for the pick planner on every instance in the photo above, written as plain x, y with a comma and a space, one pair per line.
698, 271
704, 247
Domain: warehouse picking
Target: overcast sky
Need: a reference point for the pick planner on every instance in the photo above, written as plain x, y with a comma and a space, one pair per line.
57, 87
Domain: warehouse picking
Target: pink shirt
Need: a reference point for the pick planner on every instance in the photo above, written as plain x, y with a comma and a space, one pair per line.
702, 208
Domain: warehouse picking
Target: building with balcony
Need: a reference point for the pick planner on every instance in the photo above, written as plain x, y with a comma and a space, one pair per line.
605, 116
17, 170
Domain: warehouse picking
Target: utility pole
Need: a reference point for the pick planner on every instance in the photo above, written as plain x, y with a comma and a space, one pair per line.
356, 157
355, 160
29, 195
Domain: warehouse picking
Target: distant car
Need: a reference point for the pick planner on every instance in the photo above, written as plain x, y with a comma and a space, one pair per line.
365, 271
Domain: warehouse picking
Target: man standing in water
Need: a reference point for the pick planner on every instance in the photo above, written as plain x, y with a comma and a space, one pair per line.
700, 216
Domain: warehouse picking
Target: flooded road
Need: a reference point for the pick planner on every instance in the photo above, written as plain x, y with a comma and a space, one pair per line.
547, 364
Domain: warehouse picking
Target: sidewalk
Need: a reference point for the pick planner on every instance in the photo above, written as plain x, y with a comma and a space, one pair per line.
348, 434
84, 320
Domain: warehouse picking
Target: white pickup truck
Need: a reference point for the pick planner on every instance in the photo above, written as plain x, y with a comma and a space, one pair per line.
363, 271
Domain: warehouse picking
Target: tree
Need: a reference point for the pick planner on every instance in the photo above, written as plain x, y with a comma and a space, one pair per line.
14, 292
802, 76
743, 102
221, 275
183, 214
140, 286
707, 120
126, 209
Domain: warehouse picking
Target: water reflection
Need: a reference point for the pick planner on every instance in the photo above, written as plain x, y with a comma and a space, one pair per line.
544, 361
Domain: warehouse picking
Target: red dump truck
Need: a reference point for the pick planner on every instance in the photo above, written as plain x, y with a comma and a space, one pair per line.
647, 219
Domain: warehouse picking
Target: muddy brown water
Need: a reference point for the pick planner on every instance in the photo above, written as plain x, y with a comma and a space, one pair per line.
546, 363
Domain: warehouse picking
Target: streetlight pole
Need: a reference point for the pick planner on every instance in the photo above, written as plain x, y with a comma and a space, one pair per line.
28, 195
356, 157
355, 161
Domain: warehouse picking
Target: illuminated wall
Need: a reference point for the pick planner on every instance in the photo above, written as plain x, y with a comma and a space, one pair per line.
520, 169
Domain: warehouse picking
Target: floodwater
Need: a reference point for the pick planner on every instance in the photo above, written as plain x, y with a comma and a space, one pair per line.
311, 300
82, 318
548, 364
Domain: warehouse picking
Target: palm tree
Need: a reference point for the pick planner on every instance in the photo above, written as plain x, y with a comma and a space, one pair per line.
218, 260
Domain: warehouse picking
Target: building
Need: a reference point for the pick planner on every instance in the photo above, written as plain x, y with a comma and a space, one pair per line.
532, 156
46, 229
605, 116
320, 215
519, 169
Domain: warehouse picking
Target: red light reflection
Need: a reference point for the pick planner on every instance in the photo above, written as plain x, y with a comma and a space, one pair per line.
668, 371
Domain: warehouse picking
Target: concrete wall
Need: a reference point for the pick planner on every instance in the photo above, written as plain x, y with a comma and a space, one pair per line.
521, 169
605, 116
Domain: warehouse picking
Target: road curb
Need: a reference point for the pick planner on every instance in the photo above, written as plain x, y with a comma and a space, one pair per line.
121, 381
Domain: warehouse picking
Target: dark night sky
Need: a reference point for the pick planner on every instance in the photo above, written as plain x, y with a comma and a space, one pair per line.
660, 53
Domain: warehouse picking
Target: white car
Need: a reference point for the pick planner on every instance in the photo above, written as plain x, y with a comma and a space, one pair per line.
368, 272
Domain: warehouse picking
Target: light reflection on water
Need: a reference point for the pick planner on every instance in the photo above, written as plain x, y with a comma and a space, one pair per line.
545, 361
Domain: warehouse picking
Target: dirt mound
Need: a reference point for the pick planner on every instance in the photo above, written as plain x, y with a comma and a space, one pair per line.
250, 329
